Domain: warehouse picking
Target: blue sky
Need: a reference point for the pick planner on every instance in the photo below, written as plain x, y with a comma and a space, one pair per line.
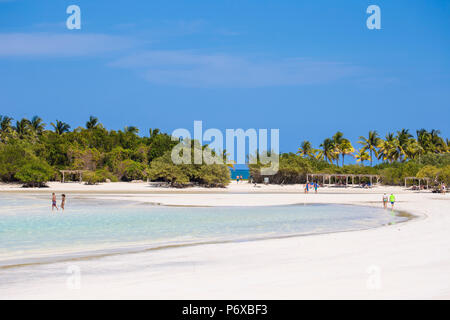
309, 68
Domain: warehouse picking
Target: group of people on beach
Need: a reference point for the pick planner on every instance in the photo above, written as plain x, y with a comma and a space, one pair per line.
387, 199
63, 202
310, 186
314, 185
239, 178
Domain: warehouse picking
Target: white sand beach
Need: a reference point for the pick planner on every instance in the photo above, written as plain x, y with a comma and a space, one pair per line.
410, 260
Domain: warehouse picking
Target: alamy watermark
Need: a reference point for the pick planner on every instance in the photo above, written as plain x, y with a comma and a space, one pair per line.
191, 149
373, 281
73, 281
74, 20
374, 20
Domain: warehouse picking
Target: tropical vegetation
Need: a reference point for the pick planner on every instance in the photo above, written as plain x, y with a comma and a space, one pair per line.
394, 157
32, 155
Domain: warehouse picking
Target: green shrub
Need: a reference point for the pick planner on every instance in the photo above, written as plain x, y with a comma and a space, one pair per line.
131, 170
444, 175
95, 177
437, 160
163, 169
180, 175
292, 169
92, 178
12, 158
34, 173
214, 175
106, 175
429, 171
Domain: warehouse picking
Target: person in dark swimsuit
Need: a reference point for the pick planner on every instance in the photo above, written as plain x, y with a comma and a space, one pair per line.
54, 202
63, 201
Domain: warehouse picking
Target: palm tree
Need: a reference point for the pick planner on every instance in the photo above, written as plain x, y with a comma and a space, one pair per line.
388, 148
424, 140
5, 127
92, 123
317, 154
153, 132
413, 149
431, 142
22, 127
306, 149
362, 156
439, 145
343, 146
338, 138
346, 148
403, 138
5, 123
131, 129
328, 151
37, 125
370, 144
60, 127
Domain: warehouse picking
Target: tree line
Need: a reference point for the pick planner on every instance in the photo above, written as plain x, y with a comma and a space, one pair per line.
399, 155
401, 146
32, 154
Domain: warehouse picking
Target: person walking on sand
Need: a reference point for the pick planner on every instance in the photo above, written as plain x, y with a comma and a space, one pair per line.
63, 201
54, 202
392, 200
237, 179
385, 200
316, 186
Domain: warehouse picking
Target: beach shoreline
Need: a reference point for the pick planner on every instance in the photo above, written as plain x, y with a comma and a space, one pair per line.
64, 255
408, 260
145, 187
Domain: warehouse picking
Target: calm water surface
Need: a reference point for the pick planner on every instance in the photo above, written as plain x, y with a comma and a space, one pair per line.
28, 228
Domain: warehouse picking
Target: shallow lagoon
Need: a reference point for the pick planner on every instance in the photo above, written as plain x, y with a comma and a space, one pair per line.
30, 230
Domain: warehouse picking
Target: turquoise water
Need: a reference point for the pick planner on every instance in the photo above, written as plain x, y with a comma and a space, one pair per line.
245, 173
28, 228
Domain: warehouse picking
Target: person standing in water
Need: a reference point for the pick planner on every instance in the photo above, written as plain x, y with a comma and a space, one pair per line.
54, 202
392, 200
385, 200
63, 201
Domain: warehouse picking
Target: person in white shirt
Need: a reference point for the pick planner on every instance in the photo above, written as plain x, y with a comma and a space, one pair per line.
385, 200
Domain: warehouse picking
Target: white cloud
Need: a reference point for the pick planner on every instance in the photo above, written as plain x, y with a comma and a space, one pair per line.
179, 68
190, 69
58, 44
